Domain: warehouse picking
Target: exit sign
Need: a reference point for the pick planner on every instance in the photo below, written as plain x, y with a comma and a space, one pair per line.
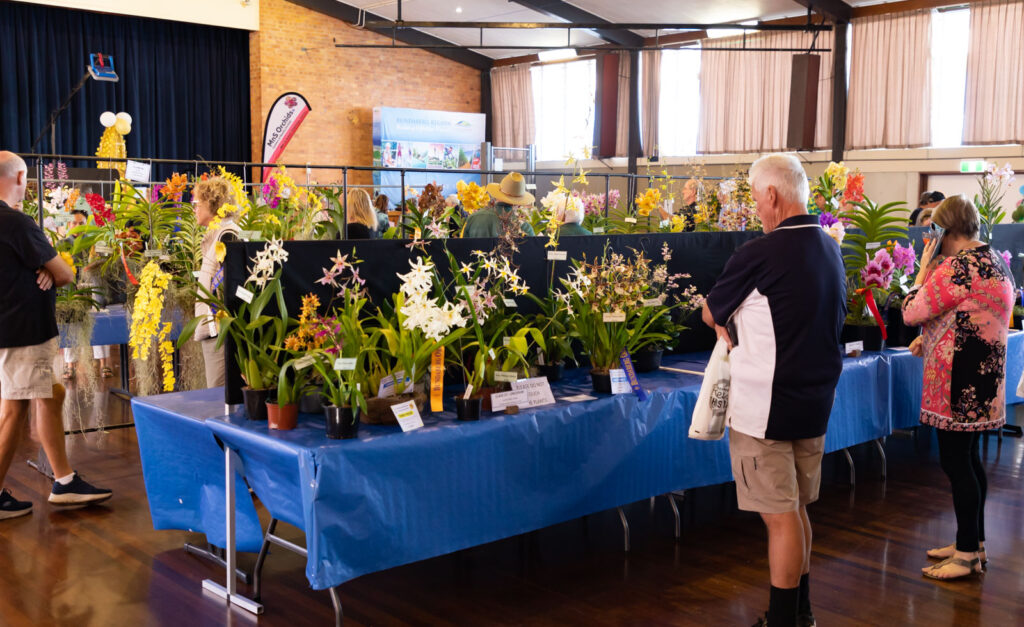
973, 167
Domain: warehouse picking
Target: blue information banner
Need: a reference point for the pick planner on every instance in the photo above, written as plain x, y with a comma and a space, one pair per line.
416, 138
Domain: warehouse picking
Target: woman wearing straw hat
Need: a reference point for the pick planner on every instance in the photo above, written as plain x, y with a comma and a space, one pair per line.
491, 221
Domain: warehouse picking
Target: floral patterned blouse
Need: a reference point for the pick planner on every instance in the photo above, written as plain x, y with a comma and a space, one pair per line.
964, 308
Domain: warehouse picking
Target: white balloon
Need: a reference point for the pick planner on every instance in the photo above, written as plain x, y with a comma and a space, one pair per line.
107, 119
124, 116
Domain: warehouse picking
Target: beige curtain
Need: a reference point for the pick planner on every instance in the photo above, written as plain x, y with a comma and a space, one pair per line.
994, 103
512, 106
622, 110
744, 96
889, 104
650, 93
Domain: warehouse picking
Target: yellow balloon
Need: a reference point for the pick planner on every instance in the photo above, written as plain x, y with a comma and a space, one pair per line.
123, 126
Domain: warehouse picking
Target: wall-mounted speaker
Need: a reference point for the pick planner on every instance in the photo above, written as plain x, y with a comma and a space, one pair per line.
803, 102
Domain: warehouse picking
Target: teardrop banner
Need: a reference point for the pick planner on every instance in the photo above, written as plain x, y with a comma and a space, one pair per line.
283, 119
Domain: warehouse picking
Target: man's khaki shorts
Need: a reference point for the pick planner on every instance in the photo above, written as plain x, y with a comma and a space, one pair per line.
27, 371
775, 476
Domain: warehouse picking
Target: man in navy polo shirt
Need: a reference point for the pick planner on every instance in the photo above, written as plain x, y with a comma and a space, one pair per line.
784, 297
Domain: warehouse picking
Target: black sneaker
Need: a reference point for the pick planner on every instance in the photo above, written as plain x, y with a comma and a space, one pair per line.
77, 492
11, 507
805, 619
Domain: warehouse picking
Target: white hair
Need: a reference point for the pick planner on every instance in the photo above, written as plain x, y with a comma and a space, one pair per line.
785, 174
10, 165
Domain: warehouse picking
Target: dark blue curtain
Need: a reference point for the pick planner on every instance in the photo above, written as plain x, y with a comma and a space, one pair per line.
185, 86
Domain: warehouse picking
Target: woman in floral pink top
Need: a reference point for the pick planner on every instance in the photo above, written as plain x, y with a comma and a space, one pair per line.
963, 305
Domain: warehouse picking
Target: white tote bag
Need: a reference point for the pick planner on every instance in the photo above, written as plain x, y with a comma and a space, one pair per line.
708, 421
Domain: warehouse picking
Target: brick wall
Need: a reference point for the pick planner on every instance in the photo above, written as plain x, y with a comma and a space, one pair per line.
343, 85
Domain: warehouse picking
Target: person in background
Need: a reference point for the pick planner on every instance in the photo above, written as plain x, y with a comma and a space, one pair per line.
362, 221
572, 220
382, 205
30, 272
963, 305
929, 200
492, 221
779, 305
924, 218
689, 208
207, 198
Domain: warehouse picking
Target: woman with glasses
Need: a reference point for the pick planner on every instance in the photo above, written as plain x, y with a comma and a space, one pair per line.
963, 302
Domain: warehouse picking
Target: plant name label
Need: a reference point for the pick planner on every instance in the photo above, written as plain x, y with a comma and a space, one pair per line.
614, 316
652, 302
345, 363
137, 171
872, 245
407, 415
579, 398
249, 236
510, 302
620, 382
387, 385
538, 391
630, 220
557, 255
305, 362
598, 230
505, 376
103, 249
503, 400
244, 294
151, 254
505, 341
197, 274
855, 346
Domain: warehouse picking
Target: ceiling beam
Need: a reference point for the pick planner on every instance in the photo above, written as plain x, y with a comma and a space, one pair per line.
569, 13
835, 10
350, 14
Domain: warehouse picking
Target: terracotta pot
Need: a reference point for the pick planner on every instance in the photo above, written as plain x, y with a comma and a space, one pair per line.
282, 417
255, 403
342, 422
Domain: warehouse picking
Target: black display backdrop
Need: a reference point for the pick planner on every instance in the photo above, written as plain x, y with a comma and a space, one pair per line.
702, 255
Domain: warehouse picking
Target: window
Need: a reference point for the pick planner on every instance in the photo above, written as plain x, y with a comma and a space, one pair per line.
950, 33
563, 105
679, 103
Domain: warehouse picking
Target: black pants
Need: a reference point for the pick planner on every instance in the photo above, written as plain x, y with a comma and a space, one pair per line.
958, 455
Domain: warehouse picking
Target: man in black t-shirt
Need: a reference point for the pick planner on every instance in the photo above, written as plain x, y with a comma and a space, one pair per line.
30, 272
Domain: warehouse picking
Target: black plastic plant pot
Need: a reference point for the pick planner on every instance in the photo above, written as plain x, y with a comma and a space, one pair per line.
647, 360
342, 422
602, 381
255, 403
467, 409
553, 372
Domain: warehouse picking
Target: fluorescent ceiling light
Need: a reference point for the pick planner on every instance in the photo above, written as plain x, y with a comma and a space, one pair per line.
718, 33
562, 54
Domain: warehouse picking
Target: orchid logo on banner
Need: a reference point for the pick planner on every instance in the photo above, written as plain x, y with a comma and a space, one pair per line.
284, 118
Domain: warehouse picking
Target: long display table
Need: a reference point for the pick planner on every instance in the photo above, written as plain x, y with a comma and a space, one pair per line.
390, 498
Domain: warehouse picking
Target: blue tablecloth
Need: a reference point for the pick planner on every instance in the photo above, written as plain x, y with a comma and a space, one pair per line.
908, 377
183, 467
111, 326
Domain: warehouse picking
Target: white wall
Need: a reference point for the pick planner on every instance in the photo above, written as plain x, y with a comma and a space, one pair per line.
242, 14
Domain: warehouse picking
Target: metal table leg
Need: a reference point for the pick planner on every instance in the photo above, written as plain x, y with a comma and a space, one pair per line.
849, 460
228, 591
216, 555
881, 451
675, 512
625, 528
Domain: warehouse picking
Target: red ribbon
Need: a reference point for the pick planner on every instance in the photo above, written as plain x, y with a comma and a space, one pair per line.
869, 298
131, 277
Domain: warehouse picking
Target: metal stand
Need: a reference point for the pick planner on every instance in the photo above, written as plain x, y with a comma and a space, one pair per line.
881, 451
272, 538
625, 528
216, 555
227, 591
675, 509
125, 357
42, 465
849, 460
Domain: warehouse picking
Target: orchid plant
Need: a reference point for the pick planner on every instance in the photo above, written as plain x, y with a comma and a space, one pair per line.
993, 185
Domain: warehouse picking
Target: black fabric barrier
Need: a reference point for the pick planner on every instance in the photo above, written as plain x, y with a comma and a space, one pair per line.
702, 255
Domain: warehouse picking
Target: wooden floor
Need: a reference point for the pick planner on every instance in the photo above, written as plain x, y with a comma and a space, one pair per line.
107, 566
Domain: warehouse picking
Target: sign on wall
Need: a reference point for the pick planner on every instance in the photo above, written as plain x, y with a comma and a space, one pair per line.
416, 138
283, 119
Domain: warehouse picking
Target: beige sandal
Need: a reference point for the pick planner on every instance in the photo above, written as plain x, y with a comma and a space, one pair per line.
945, 552
973, 568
